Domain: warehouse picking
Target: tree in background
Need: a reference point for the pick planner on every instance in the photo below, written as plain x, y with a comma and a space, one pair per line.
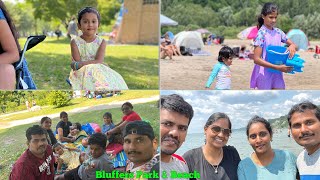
59, 98
228, 16
59, 12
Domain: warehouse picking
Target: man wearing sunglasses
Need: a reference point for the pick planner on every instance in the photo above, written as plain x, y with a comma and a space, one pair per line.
129, 116
175, 117
304, 122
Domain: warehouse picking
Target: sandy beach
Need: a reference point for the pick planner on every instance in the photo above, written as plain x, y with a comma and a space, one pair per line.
192, 72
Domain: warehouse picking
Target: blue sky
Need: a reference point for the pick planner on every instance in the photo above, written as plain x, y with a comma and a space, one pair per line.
240, 106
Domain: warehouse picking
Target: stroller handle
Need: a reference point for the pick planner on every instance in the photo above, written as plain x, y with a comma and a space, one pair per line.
30, 43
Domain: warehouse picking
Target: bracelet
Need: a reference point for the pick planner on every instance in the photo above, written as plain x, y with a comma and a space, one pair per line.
77, 65
74, 65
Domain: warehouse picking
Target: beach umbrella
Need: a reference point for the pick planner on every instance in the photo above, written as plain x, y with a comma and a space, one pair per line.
165, 21
249, 33
299, 38
203, 31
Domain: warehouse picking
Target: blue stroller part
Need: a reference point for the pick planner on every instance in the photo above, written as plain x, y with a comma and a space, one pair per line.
23, 76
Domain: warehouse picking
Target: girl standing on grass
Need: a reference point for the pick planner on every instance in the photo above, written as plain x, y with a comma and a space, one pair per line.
88, 50
268, 35
9, 49
222, 70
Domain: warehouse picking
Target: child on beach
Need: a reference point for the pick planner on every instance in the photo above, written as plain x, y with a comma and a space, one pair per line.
88, 50
9, 49
221, 70
268, 35
164, 50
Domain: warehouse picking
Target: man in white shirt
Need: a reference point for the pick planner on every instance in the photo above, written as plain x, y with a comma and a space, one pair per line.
304, 122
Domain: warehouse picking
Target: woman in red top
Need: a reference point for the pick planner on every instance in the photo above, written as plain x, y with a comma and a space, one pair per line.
129, 115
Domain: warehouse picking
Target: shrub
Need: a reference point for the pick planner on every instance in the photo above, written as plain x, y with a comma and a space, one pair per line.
59, 98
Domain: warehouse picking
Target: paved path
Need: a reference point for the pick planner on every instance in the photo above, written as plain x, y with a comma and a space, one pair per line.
111, 105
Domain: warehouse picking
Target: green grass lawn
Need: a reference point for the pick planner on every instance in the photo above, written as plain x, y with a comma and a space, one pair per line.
13, 140
49, 63
77, 103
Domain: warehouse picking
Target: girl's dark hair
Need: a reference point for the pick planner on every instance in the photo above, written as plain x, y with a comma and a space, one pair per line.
257, 119
44, 119
63, 113
225, 52
78, 125
267, 8
11, 25
109, 115
88, 10
128, 104
215, 117
56, 145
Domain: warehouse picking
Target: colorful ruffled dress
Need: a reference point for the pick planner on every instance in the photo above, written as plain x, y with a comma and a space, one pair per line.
94, 76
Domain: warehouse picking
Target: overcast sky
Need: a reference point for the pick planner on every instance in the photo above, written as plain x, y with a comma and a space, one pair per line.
240, 106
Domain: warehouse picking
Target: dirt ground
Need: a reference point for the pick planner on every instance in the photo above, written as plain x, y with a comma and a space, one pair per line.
192, 72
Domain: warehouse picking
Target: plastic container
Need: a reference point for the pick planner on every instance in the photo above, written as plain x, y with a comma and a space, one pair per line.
297, 63
277, 55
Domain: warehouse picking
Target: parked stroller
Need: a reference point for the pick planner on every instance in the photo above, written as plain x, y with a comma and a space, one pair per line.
23, 76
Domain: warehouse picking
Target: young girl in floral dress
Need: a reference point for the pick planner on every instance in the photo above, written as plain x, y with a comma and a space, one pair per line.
89, 72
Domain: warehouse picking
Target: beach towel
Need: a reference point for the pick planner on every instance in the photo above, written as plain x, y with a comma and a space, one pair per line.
201, 53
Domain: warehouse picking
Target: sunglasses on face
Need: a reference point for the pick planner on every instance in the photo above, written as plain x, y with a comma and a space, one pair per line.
218, 129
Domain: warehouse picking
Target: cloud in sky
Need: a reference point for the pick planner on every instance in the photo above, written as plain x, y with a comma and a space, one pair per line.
240, 106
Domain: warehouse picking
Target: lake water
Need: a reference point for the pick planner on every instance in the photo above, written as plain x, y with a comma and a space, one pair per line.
239, 140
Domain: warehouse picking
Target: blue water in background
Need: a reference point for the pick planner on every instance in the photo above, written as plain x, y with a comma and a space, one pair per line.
239, 140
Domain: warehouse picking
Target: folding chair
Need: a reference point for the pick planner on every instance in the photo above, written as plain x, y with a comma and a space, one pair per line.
23, 76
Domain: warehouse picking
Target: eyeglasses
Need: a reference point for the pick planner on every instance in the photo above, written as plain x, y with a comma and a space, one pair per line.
218, 129
125, 108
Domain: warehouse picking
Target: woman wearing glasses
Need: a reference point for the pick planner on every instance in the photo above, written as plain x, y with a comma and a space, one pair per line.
265, 162
129, 115
215, 160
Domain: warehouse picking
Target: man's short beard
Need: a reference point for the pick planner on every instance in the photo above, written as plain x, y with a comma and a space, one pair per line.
168, 152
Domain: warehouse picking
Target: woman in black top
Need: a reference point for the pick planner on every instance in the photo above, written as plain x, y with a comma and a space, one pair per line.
215, 160
46, 124
63, 128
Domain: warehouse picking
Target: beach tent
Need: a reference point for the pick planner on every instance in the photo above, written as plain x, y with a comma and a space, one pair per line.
189, 39
165, 21
299, 38
139, 23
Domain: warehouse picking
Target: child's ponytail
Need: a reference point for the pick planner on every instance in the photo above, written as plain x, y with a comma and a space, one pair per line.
260, 21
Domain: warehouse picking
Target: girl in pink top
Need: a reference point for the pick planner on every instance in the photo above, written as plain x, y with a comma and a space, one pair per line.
267, 35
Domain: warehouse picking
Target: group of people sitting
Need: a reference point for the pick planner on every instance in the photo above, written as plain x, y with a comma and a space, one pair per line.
217, 160
167, 49
74, 152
